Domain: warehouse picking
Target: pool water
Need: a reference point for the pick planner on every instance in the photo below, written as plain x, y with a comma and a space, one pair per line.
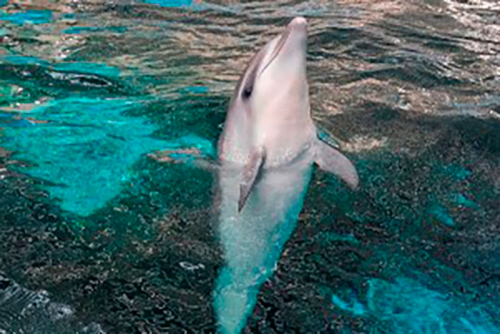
100, 234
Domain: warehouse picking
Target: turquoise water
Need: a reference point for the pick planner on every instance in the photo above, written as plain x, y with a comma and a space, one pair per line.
92, 95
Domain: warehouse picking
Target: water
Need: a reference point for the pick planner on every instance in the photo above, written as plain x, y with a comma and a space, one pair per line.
92, 92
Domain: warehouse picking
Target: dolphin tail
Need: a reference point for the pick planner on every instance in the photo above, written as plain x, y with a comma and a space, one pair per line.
233, 301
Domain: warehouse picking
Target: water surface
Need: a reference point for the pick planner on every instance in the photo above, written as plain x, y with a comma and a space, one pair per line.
91, 92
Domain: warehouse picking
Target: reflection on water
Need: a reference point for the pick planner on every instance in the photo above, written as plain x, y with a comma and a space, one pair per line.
91, 89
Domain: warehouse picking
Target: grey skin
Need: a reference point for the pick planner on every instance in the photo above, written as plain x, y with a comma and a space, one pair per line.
266, 155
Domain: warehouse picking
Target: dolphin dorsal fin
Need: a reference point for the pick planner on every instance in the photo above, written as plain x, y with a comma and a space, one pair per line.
250, 175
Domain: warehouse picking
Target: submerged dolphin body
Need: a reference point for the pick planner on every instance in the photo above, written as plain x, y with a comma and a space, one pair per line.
266, 155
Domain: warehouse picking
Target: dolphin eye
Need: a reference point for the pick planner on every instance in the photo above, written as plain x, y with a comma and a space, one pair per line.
249, 82
247, 92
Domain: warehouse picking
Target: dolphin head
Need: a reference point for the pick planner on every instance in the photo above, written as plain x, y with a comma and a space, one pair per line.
282, 71
272, 90
276, 76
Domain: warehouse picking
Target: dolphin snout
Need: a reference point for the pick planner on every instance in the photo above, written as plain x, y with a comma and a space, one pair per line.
298, 22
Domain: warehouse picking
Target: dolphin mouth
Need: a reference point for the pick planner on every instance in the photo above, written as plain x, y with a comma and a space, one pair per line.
277, 49
298, 21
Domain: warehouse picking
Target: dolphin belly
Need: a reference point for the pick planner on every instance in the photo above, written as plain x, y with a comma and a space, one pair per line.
253, 239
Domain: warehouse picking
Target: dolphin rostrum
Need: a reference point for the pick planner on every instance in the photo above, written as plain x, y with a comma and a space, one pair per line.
266, 155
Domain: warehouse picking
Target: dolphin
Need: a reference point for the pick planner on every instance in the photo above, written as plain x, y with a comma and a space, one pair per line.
266, 155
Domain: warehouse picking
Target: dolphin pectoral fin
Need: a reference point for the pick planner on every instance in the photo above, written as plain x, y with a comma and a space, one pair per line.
332, 161
250, 176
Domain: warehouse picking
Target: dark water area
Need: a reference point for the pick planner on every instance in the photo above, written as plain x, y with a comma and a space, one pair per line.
98, 233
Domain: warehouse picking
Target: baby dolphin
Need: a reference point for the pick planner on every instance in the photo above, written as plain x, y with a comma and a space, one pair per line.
266, 155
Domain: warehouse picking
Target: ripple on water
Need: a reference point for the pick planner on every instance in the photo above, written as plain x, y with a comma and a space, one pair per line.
90, 89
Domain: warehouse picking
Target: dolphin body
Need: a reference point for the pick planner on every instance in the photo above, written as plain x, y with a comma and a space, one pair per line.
266, 155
